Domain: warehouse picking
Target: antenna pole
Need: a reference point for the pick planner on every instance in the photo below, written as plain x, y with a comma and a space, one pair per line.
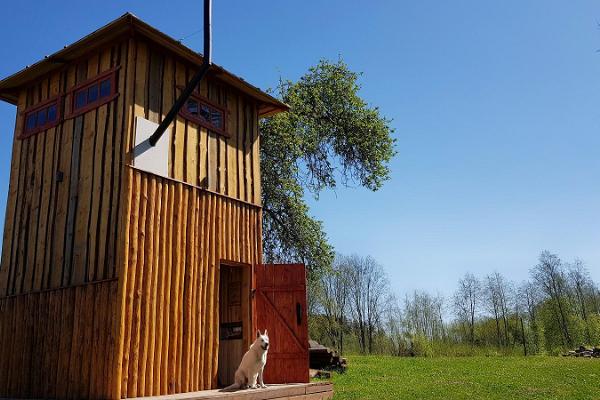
185, 94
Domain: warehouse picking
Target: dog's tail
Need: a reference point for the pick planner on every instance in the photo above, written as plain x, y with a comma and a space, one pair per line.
232, 387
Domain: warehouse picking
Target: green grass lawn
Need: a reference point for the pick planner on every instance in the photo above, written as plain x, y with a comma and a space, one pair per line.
372, 377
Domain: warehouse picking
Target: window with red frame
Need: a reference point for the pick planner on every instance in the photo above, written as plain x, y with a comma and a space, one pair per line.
41, 117
204, 114
93, 94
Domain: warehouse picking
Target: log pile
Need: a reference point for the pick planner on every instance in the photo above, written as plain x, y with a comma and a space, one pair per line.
324, 358
583, 351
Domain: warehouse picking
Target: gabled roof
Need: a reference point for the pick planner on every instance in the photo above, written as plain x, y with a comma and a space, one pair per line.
123, 25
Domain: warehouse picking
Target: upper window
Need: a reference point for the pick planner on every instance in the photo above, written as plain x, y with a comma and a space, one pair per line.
92, 96
204, 113
93, 93
41, 117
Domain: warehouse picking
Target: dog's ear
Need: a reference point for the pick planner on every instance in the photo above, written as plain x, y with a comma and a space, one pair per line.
257, 333
266, 334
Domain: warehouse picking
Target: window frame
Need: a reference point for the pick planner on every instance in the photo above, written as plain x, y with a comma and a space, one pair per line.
200, 121
100, 101
56, 100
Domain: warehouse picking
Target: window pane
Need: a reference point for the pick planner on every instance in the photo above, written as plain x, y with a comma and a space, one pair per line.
216, 118
92, 94
80, 99
31, 120
52, 113
192, 107
41, 117
205, 112
105, 88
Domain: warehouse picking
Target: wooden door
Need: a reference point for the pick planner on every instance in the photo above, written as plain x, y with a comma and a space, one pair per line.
280, 304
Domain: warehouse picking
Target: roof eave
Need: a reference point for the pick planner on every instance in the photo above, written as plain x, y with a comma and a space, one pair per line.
129, 23
99, 37
9, 99
196, 58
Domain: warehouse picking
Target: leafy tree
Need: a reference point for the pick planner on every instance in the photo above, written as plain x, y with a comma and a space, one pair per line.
330, 136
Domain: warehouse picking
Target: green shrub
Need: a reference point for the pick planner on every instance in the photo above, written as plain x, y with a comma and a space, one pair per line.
420, 346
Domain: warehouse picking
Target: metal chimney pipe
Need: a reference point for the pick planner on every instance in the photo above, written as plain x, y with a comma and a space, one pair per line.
185, 94
207, 32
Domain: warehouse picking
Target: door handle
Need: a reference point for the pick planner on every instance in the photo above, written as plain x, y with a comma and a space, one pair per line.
299, 313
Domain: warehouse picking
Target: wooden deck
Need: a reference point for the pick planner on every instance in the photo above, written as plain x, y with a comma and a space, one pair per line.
294, 391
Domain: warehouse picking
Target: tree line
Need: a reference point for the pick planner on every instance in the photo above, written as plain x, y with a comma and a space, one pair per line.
353, 308
331, 136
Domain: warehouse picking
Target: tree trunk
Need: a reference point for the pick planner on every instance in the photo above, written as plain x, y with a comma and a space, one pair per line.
341, 339
523, 335
498, 338
564, 323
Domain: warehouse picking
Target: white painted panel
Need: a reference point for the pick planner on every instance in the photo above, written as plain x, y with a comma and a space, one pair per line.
145, 157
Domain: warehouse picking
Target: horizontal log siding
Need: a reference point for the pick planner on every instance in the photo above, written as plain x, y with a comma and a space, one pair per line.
227, 164
63, 200
52, 345
177, 234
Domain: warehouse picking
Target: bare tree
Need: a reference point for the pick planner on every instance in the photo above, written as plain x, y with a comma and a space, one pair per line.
333, 297
582, 292
506, 293
549, 274
395, 328
595, 298
519, 309
422, 315
369, 290
492, 301
466, 302
530, 298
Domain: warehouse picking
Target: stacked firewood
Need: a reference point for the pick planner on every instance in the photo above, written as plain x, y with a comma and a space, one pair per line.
324, 358
583, 351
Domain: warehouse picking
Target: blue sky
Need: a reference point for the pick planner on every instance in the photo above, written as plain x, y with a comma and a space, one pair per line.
496, 107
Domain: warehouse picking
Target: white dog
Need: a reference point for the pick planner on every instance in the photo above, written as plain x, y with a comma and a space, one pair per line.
253, 364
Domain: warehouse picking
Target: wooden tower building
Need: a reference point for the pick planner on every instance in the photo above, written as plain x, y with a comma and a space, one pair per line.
130, 271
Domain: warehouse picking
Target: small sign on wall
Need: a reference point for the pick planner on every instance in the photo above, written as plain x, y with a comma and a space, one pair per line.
231, 330
145, 157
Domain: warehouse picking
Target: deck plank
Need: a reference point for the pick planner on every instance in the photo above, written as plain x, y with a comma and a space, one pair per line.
304, 391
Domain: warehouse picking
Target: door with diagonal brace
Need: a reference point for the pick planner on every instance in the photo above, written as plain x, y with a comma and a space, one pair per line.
280, 304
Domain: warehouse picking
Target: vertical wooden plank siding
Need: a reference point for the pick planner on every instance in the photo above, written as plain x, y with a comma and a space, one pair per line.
201, 157
177, 233
200, 234
55, 329
64, 187
109, 278
122, 225
58, 293
12, 206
